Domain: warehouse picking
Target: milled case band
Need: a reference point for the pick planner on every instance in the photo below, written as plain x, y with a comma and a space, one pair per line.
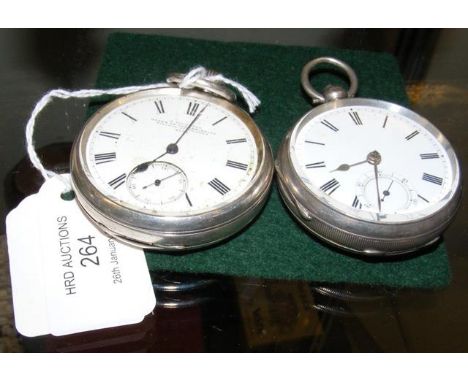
349, 232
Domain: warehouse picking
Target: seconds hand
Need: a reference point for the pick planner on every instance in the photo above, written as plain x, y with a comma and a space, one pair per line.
157, 182
387, 191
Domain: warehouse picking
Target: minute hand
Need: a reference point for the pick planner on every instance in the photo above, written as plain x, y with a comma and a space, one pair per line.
191, 124
376, 175
172, 148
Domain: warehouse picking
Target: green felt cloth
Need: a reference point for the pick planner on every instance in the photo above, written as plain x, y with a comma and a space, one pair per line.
274, 246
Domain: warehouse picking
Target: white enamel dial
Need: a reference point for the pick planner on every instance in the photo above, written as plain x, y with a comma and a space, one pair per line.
373, 163
171, 154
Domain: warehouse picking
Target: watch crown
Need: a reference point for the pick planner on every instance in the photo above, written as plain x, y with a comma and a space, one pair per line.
333, 92
213, 87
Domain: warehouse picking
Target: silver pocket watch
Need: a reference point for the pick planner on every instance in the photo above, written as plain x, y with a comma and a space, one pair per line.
172, 169
366, 175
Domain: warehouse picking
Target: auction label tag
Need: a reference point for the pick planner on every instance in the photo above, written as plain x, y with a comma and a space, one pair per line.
68, 277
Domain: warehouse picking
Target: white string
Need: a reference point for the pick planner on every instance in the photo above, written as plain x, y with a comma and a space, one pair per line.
201, 73
187, 82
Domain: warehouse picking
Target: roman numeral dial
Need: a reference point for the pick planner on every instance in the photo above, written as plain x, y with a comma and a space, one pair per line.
109, 134
105, 157
192, 108
429, 156
330, 125
330, 187
219, 186
371, 159
316, 165
173, 153
159, 107
432, 179
238, 140
411, 135
219, 121
237, 165
132, 118
117, 181
356, 203
355, 118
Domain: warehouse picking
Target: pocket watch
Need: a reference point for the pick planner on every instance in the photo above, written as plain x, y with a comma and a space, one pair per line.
172, 168
366, 175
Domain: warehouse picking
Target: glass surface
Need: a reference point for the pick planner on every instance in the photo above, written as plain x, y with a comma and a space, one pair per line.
206, 313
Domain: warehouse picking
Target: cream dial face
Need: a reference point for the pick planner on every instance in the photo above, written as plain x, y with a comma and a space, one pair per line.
171, 154
373, 163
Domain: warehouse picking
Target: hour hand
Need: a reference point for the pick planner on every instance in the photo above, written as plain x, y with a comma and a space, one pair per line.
142, 167
346, 167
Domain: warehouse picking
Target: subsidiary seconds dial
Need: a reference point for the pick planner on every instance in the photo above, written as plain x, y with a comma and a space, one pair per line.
158, 183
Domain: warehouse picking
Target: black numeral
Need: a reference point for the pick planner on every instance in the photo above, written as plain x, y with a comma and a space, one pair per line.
218, 121
315, 165
355, 117
429, 156
192, 108
129, 116
233, 164
219, 186
104, 158
412, 135
330, 186
357, 203
432, 179
117, 182
159, 106
188, 200
232, 141
423, 198
109, 134
329, 125
385, 122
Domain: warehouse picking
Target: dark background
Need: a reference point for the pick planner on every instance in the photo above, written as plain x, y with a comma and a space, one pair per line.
433, 64
34, 61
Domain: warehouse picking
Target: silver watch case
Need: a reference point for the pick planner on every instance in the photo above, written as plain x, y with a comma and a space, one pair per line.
345, 229
170, 232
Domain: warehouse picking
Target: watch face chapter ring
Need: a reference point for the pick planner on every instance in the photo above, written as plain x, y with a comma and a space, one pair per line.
171, 231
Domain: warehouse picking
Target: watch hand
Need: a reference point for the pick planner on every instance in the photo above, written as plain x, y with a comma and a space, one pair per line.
172, 148
374, 159
387, 191
376, 174
346, 167
157, 182
190, 125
